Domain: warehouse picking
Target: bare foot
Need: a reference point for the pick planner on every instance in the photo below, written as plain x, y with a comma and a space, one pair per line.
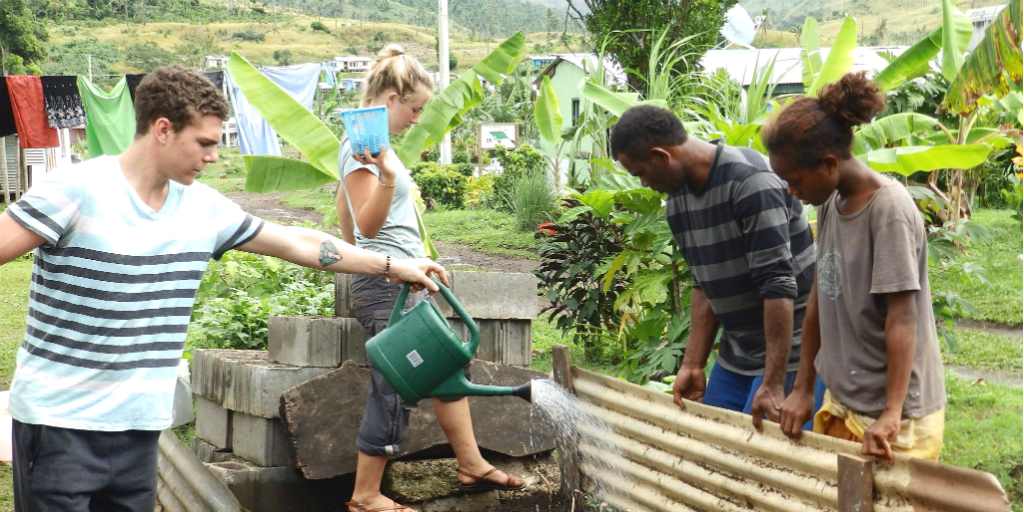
378, 502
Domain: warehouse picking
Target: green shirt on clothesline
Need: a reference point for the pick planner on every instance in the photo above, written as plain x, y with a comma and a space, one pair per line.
111, 126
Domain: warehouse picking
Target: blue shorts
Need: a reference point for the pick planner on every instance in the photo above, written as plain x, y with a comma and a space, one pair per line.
730, 390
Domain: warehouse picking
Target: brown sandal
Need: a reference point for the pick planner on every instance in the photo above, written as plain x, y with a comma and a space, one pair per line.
362, 508
482, 484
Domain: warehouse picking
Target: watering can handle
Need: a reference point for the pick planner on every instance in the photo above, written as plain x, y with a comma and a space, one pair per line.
474, 331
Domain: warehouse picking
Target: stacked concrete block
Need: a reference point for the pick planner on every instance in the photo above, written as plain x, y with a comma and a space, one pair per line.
240, 396
316, 341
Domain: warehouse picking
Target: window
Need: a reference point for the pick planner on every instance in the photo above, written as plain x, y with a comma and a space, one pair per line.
575, 110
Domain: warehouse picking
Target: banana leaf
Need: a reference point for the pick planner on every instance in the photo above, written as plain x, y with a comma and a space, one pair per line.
293, 123
275, 173
952, 49
840, 57
918, 55
616, 103
444, 112
895, 128
992, 66
545, 112
810, 54
907, 160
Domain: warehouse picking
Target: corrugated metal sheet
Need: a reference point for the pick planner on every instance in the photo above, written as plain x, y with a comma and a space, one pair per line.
709, 459
185, 485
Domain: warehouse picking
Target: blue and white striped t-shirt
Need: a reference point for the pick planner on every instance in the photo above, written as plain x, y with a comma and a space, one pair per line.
111, 296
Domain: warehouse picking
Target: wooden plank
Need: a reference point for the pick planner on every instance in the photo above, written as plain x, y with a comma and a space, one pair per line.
562, 366
18, 158
856, 484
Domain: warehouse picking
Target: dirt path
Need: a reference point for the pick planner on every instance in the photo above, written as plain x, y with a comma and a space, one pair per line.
271, 207
1009, 331
1002, 377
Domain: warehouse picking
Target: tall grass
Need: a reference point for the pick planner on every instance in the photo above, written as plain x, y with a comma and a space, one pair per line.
533, 200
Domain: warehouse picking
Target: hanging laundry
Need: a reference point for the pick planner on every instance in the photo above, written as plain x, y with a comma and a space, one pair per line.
111, 116
26, 94
133, 83
7, 125
255, 136
299, 81
63, 102
328, 69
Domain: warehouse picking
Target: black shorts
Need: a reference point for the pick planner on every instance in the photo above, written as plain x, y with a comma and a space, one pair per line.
65, 470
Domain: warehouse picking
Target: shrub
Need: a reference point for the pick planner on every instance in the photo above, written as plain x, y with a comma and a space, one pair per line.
242, 291
514, 164
249, 35
283, 57
316, 25
441, 183
533, 200
460, 157
479, 190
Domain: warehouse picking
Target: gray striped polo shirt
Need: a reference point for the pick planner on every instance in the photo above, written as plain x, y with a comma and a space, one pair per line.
745, 240
111, 295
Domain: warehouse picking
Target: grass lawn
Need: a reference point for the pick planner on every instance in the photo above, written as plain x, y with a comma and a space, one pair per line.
982, 350
14, 281
983, 432
1000, 302
484, 230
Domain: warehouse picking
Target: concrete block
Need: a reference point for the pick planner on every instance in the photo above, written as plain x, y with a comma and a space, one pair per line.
213, 422
316, 341
245, 381
280, 489
207, 452
344, 304
492, 295
507, 342
260, 440
322, 418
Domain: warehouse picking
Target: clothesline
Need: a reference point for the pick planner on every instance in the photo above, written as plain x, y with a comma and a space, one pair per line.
33, 111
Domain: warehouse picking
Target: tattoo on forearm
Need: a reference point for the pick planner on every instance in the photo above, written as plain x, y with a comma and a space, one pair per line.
329, 254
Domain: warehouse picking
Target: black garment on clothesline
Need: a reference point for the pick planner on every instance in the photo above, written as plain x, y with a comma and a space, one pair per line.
7, 126
63, 102
217, 77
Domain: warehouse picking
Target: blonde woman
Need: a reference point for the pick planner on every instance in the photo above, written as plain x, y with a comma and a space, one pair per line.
380, 205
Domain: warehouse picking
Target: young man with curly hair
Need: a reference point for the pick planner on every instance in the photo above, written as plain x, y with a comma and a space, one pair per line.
121, 244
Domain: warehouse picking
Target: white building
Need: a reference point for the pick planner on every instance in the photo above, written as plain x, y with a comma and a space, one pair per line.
216, 61
981, 18
352, 64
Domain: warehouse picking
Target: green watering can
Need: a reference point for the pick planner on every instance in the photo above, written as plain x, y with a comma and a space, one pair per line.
421, 356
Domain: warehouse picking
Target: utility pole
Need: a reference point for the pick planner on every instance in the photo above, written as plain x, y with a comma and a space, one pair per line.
90, 67
126, 14
442, 59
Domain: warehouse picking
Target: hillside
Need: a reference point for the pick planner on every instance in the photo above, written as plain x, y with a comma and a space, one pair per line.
881, 22
117, 50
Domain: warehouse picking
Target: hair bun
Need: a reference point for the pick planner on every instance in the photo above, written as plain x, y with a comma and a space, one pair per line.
852, 100
389, 51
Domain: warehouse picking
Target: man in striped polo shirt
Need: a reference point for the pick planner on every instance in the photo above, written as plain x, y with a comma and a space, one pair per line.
121, 244
749, 248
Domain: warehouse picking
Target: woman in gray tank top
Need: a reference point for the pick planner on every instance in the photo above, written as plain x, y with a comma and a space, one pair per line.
377, 211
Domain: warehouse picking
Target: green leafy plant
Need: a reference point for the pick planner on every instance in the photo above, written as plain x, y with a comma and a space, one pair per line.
514, 163
320, 27
441, 184
532, 200
242, 291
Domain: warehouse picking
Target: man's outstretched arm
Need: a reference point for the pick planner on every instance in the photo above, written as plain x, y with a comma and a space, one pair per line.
318, 250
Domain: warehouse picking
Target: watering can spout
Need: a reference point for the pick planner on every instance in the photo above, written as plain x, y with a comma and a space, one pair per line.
524, 391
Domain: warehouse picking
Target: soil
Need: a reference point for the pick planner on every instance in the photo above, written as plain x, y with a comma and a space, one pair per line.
1002, 377
1010, 331
272, 208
